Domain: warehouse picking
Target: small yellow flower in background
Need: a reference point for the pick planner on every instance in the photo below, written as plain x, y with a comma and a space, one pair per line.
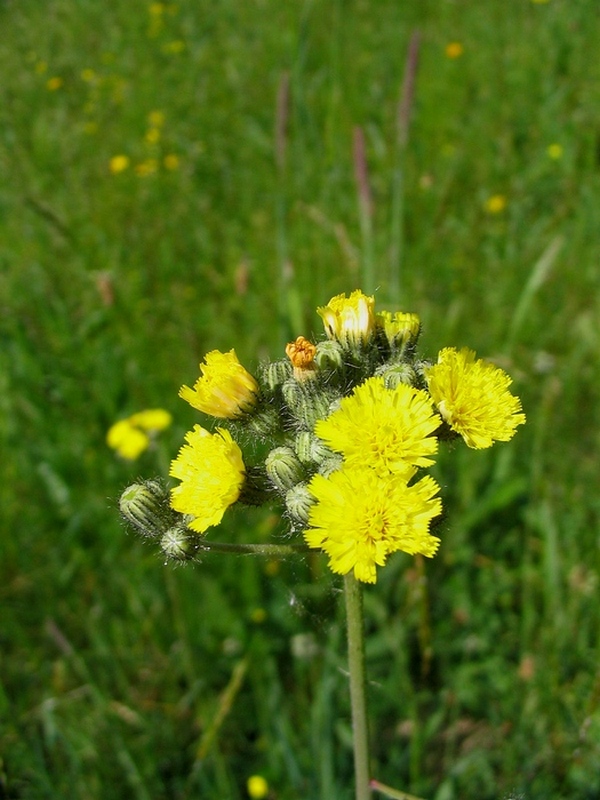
225, 389
171, 162
147, 167
156, 9
152, 135
389, 430
454, 50
212, 473
360, 518
257, 787
41, 67
118, 164
555, 151
156, 119
173, 48
349, 320
473, 398
495, 204
88, 75
130, 437
52, 84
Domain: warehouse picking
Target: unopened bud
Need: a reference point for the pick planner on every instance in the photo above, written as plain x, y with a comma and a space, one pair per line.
329, 355
298, 502
283, 468
179, 543
276, 372
306, 402
310, 449
331, 464
395, 374
145, 506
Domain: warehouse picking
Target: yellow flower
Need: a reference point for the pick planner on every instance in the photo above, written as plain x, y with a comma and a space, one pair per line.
147, 167
555, 151
225, 389
52, 84
351, 320
400, 328
454, 50
152, 135
257, 787
495, 204
88, 75
156, 119
361, 517
175, 47
211, 471
118, 164
171, 162
388, 430
473, 398
131, 436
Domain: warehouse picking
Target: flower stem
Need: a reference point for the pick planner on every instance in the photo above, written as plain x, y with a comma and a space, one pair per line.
271, 550
356, 666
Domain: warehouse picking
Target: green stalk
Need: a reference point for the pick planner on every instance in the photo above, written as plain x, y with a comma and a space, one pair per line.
271, 550
358, 700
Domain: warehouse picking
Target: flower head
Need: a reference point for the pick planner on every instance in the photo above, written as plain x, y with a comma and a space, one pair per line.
388, 430
495, 204
473, 398
131, 436
257, 787
301, 353
454, 50
400, 328
360, 518
212, 473
225, 389
349, 320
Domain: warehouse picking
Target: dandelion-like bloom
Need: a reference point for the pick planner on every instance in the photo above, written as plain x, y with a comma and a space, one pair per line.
349, 320
118, 164
388, 430
454, 50
555, 151
360, 518
211, 471
257, 787
473, 398
495, 204
131, 436
225, 389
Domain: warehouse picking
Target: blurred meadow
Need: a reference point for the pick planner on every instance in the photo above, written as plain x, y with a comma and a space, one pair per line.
178, 177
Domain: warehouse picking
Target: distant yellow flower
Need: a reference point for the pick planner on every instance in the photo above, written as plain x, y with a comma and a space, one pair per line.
388, 430
473, 398
225, 389
555, 151
52, 84
171, 162
495, 204
454, 50
174, 48
156, 119
41, 67
88, 75
152, 135
361, 517
131, 436
118, 164
156, 9
147, 167
257, 787
212, 473
349, 320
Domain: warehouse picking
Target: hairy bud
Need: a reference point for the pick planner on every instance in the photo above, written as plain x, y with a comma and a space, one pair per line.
283, 468
145, 506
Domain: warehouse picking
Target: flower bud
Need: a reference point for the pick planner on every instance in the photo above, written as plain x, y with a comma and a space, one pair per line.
298, 502
302, 355
310, 449
349, 320
306, 402
145, 506
283, 468
401, 330
329, 355
276, 372
179, 543
395, 374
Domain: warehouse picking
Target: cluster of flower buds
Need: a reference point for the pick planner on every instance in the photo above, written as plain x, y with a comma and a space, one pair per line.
346, 428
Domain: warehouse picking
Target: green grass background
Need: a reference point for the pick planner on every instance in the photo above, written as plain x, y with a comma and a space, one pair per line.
123, 678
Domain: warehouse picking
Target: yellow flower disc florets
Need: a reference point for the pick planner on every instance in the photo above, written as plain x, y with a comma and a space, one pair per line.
388, 430
212, 473
225, 389
360, 518
349, 320
473, 398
